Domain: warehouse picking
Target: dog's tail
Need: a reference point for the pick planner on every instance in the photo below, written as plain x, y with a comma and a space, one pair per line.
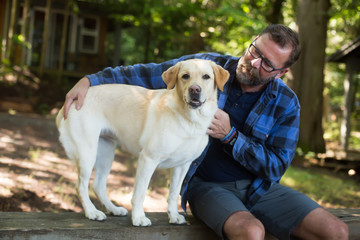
64, 136
60, 117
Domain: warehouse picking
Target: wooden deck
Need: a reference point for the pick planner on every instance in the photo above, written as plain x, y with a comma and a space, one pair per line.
66, 226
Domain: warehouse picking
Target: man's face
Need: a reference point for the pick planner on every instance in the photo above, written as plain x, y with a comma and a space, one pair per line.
251, 67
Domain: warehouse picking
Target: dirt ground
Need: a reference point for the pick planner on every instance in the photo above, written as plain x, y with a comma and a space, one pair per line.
35, 174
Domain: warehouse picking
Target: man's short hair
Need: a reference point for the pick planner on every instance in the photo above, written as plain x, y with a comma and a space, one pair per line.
284, 36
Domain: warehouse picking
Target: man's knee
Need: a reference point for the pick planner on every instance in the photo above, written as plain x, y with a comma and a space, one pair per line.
335, 230
243, 225
338, 230
321, 224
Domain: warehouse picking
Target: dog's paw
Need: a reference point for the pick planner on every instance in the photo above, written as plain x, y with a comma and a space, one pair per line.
141, 221
96, 215
119, 211
177, 219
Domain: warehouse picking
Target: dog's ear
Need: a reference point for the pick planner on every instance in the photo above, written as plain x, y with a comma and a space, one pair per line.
221, 75
170, 75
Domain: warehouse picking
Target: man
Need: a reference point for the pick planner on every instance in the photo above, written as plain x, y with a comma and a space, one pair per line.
233, 186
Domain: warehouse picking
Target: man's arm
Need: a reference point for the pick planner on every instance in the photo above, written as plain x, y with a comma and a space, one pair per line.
268, 159
145, 75
149, 75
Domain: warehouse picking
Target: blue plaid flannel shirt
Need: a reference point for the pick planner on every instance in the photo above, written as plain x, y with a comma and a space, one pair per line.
267, 144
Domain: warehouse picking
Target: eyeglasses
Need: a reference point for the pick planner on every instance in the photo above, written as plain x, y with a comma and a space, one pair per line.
265, 63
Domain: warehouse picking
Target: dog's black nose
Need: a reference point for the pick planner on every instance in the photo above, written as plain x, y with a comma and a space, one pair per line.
195, 89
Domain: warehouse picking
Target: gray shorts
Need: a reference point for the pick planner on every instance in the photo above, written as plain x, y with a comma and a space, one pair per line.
281, 209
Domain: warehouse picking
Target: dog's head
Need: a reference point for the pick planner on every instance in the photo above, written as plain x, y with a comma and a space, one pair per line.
196, 80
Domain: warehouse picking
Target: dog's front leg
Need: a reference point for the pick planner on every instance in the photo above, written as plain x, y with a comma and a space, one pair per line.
145, 169
177, 178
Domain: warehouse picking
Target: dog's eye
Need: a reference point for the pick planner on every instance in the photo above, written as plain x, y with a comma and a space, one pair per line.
185, 76
206, 76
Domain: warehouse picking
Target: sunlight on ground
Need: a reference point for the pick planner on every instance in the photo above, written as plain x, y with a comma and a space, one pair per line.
290, 182
31, 164
35, 175
329, 190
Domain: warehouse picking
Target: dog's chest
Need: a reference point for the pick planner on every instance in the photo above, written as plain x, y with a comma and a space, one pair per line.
171, 139
181, 150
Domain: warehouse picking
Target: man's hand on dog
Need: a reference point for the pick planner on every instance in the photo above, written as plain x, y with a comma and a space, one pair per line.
78, 92
220, 126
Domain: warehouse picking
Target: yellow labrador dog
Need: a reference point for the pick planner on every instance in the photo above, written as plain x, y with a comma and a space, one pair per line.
165, 128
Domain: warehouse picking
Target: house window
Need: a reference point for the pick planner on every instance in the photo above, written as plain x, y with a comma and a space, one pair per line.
89, 35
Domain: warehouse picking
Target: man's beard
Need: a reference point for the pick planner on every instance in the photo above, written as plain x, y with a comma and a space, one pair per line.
253, 78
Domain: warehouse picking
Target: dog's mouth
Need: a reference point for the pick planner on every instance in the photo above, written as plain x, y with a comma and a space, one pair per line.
195, 103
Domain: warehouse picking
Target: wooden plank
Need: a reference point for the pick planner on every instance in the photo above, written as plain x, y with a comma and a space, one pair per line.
66, 225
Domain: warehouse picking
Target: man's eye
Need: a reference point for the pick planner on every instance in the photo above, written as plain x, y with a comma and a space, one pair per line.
266, 64
206, 76
254, 52
185, 76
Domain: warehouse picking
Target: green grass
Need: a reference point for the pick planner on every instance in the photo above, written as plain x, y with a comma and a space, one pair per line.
327, 188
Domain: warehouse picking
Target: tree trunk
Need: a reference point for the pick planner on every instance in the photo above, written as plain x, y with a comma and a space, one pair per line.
312, 20
25, 30
11, 32
117, 45
64, 36
147, 44
45, 37
275, 13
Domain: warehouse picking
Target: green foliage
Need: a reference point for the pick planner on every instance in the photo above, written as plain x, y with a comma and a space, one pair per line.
7, 64
334, 83
43, 109
344, 24
158, 30
354, 140
332, 131
328, 189
232, 27
155, 30
304, 153
5, 68
20, 40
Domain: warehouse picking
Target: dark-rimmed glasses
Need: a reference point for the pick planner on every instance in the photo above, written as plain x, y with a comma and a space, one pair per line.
265, 63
